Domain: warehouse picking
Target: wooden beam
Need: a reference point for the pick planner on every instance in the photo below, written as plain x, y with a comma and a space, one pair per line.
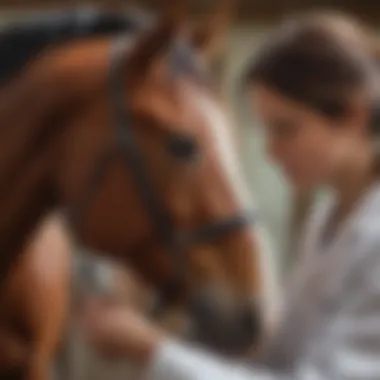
270, 12
246, 8
261, 11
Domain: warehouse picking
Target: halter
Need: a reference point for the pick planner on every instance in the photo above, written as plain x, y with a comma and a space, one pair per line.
176, 242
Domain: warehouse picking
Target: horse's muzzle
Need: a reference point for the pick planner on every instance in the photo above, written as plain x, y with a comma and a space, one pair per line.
232, 332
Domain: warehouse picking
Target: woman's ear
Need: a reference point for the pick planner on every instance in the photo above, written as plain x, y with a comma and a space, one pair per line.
209, 35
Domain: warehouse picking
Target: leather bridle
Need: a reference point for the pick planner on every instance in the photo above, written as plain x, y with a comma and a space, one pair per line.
176, 242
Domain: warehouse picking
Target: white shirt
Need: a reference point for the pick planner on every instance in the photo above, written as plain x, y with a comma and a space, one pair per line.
330, 328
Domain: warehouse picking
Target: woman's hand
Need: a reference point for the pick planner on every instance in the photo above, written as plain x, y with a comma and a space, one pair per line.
120, 332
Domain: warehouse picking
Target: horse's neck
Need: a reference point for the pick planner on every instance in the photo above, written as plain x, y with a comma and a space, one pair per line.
22, 208
30, 135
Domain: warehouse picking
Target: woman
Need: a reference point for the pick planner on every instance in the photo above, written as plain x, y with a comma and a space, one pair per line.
315, 84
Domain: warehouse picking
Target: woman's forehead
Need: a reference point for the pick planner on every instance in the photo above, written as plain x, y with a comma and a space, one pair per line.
270, 101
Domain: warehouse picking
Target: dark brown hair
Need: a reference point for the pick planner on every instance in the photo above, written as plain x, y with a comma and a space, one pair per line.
322, 59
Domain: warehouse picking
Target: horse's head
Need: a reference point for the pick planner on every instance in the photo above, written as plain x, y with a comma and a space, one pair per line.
152, 167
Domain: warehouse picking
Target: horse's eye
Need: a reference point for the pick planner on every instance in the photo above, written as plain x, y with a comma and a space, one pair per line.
182, 147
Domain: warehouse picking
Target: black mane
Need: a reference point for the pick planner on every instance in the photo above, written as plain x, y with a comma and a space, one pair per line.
23, 40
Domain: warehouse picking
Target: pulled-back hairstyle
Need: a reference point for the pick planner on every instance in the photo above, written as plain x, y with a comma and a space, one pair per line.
322, 60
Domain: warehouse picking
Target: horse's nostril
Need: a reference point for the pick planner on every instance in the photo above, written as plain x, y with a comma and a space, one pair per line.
251, 322
247, 320
202, 310
232, 330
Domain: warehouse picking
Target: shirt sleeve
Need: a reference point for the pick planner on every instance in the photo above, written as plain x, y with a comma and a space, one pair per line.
175, 361
348, 350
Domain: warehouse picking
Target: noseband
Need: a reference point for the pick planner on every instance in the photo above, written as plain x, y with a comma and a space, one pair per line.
124, 143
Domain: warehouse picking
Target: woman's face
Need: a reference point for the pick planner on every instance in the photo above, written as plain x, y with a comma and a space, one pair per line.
310, 148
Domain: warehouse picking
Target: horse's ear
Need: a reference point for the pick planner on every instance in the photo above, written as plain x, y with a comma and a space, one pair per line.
160, 36
209, 34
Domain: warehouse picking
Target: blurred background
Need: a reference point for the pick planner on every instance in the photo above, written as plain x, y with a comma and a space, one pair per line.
281, 210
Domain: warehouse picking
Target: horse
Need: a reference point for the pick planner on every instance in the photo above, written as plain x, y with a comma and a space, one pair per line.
121, 140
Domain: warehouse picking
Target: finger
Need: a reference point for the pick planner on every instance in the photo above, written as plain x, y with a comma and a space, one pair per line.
94, 303
90, 317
